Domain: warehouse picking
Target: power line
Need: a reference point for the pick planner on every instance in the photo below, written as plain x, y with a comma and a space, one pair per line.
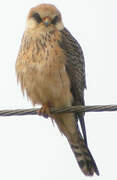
70, 109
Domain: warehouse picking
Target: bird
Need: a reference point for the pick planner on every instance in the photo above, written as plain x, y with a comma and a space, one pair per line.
50, 67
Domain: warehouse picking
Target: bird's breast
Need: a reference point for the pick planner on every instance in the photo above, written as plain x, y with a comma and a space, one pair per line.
41, 70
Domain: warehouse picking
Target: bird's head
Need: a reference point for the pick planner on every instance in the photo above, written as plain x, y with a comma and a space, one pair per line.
44, 17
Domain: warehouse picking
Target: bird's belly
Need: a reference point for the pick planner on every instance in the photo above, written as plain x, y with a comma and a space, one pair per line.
49, 84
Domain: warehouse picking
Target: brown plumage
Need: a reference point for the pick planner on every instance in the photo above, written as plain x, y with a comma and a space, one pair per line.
50, 67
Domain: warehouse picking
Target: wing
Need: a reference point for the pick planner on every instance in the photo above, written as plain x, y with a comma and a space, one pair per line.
75, 67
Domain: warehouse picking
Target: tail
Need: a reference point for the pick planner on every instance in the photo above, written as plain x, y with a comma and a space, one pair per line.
67, 125
84, 157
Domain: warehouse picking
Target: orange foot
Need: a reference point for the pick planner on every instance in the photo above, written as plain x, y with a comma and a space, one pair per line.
44, 111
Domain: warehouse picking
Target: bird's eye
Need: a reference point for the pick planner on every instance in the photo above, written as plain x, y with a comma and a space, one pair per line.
37, 17
55, 20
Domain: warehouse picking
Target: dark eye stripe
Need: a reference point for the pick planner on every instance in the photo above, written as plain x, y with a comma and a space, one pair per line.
55, 20
37, 17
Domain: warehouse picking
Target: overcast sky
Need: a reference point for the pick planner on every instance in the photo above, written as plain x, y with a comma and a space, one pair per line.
31, 148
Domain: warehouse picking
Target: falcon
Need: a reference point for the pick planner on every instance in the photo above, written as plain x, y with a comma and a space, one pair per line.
50, 67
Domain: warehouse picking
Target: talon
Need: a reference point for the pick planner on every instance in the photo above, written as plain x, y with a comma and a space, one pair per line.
44, 111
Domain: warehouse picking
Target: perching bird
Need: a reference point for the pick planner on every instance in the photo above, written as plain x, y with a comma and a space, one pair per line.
50, 67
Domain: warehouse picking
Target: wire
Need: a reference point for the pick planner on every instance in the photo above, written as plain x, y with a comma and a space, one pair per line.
70, 109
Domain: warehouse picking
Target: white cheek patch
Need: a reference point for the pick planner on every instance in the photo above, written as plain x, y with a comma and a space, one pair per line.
60, 25
30, 24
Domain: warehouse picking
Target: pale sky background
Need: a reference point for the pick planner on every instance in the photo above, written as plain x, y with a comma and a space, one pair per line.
31, 148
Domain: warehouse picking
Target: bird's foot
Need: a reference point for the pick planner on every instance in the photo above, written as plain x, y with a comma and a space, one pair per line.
44, 111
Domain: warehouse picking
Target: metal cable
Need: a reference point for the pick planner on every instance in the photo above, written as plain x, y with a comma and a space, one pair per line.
34, 111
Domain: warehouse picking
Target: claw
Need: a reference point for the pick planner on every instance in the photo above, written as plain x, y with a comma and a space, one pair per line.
44, 111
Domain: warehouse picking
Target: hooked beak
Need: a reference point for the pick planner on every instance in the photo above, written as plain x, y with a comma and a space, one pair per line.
47, 21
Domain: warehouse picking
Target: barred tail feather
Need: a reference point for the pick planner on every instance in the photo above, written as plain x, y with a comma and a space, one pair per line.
84, 158
67, 124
